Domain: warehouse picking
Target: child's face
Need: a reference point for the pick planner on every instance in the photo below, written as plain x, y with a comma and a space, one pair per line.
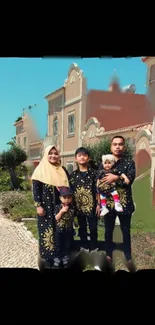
82, 158
66, 200
108, 164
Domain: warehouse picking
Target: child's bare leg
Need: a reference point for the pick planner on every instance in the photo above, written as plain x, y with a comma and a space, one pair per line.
103, 201
118, 206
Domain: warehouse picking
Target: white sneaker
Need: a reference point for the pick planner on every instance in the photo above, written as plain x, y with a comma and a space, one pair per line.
118, 207
84, 249
97, 268
104, 211
94, 250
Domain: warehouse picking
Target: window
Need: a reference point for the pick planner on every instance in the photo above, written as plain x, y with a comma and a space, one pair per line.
35, 153
70, 167
24, 141
19, 129
71, 123
19, 141
55, 126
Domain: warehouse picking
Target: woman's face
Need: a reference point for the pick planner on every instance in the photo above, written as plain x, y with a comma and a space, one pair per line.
53, 156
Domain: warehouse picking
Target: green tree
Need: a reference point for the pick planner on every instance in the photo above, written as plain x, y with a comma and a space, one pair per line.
12, 142
103, 148
10, 159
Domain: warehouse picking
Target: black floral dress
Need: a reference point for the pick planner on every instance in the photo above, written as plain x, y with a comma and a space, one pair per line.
48, 197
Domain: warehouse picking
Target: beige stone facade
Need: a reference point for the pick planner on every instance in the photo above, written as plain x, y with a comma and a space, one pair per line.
72, 122
67, 114
21, 136
66, 120
150, 83
139, 135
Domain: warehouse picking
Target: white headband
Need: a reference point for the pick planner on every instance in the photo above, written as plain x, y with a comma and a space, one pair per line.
108, 157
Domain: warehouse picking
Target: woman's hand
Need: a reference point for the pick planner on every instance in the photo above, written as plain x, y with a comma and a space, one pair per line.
109, 178
40, 212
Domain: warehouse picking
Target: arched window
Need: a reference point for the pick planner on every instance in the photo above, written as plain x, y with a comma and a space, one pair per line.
55, 126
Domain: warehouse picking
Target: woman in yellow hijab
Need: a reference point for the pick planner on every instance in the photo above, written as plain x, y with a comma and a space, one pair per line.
48, 176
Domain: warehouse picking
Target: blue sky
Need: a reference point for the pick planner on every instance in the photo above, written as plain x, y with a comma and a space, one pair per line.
25, 82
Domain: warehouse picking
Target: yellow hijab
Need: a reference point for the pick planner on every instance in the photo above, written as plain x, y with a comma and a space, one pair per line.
50, 174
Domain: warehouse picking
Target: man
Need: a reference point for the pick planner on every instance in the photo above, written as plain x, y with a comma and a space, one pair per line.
126, 167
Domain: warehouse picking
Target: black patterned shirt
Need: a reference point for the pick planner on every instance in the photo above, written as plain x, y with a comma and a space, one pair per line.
66, 221
105, 188
84, 189
126, 167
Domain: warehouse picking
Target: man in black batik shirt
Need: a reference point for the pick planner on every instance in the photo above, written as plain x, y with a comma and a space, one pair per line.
83, 184
126, 167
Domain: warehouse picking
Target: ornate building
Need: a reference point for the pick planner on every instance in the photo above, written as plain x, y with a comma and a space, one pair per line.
76, 116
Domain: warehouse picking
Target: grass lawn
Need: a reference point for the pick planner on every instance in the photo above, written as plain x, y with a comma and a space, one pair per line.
143, 227
144, 217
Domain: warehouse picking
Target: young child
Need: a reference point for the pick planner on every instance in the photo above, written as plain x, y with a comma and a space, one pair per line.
83, 184
108, 162
64, 215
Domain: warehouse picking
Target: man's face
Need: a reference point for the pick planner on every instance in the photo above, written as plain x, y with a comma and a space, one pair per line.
117, 147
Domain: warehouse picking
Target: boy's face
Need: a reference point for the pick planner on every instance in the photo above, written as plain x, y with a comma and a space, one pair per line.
82, 158
108, 164
66, 200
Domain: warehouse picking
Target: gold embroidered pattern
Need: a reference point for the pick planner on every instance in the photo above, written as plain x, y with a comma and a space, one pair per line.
66, 220
106, 187
48, 239
84, 199
123, 199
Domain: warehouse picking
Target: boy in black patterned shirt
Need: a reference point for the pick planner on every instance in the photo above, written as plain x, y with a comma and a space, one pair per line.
83, 184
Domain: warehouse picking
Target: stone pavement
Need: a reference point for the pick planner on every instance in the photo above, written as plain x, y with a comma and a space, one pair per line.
18, 247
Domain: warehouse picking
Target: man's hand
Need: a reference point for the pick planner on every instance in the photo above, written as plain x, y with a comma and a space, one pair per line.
98, 210
40, 211
110, 178
126, 180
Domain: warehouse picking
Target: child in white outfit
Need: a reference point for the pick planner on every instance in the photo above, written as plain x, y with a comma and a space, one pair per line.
108, 162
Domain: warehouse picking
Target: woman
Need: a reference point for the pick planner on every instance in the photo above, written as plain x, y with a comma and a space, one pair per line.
47, 177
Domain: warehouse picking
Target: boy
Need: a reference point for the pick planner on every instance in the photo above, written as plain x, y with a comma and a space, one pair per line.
83, 184
64, 215
108, 162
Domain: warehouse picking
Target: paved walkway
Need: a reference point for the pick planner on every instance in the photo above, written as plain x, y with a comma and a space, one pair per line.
18, 248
